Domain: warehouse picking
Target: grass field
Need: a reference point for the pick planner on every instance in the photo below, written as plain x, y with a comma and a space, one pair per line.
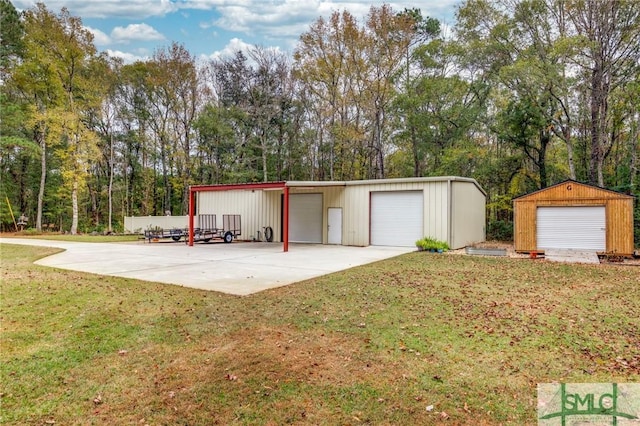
467, 337
81, 238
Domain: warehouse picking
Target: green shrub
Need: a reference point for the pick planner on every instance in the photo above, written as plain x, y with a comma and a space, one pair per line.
500, 230
428, 244
31, 231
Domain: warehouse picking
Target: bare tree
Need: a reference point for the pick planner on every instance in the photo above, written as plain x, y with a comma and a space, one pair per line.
610, 35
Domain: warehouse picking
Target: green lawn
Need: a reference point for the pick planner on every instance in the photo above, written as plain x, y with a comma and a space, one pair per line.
83, 238
377, 344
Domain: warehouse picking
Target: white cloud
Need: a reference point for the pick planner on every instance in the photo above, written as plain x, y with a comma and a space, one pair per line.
247, 11
127, 58
99, 38
266, 22
290, 18
133, 9
279, 17
135, 32
234, 45
232, 48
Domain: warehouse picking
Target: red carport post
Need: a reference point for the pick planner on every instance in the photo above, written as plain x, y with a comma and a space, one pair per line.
192, 199
285, 219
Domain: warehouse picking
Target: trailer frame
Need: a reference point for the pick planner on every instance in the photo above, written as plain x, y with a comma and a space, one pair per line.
207, 231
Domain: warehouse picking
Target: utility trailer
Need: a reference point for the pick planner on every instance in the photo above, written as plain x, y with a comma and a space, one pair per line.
206, 231
155, 234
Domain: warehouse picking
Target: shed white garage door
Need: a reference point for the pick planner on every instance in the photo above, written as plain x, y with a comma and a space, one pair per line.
396, 218
571, 228
305, 218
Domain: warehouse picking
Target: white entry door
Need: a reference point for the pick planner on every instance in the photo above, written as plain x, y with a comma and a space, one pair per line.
571, 228
334, 224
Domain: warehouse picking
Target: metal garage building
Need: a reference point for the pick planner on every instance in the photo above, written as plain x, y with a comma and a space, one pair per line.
573, 215
391, 212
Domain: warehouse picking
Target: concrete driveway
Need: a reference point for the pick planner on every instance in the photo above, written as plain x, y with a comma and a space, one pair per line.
238, 268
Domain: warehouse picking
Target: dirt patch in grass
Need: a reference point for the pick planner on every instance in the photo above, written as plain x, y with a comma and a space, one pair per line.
418, 339
276, 373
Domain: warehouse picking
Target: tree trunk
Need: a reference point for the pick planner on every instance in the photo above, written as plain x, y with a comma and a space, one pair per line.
542, 158
265, 176
569, 142
379, 163
110, 194
43, 178
595, 137
166, 200
74, 206
633, 168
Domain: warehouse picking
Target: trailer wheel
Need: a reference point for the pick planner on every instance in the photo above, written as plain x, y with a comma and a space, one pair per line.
206, 240
228, 237
176, 237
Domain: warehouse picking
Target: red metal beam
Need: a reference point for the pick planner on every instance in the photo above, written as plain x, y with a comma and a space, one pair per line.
192, 202
236, 186
285, 219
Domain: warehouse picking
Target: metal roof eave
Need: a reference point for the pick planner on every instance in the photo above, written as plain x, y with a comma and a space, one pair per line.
238, 186
313, 183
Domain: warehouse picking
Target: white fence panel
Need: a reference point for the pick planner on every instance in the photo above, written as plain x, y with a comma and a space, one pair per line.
138, 224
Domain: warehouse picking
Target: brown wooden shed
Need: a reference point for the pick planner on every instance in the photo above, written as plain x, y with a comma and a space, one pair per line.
574, 215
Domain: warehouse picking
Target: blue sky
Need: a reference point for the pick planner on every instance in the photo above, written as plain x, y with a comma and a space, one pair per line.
134, 29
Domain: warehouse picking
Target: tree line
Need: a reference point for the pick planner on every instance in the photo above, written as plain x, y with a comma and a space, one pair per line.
518, 94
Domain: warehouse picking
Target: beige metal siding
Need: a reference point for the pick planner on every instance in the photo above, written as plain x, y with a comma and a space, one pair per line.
436, 210
255, 208
468, 213
355, 216
357, 209
260, 208
272, 213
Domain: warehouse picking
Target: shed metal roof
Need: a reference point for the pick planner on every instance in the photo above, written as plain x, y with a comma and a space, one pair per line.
609, 192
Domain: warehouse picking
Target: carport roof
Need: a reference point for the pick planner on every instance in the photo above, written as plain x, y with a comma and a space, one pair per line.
327, 183
236, 186
265, 185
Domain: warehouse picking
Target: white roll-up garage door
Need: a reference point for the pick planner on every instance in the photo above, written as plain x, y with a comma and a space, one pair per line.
305, 218
396, 218
567, 227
